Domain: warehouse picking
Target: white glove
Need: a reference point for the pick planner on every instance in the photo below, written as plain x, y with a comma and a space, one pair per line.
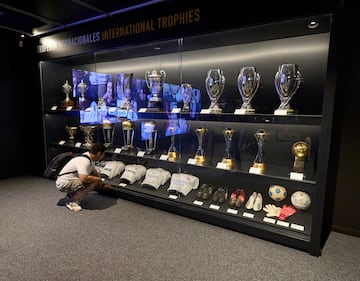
271, 210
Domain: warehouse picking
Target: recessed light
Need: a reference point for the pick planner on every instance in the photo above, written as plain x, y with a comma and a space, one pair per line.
313, 24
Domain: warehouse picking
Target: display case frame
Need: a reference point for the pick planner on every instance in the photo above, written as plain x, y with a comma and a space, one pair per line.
186, 60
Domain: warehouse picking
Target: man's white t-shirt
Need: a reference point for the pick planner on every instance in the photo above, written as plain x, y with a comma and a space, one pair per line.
77, 165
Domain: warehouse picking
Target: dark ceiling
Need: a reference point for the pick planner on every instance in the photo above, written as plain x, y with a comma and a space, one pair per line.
41, 17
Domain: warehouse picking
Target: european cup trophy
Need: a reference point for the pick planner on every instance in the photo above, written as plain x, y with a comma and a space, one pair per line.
83, 102
228, 159
108, 133
287, 82
88, 131
214, 83
186, 93
200, 152
258, 166
300, 150
150, 136
71, 130
128, 134
67, 102
155, 81
248, 83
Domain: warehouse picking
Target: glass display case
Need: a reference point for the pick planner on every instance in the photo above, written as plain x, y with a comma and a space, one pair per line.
237, 121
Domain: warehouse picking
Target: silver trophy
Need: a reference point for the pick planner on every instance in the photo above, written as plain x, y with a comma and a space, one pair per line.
155, 81
186, 94
287, 81
71, 130
88, 131
228, 159
128, 134
150, 136
83, 102
108, 133
248, 83
214, 83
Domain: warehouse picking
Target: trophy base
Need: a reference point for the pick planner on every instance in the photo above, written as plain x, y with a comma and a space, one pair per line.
199, 159
215, 110
228, 162
257, 168
154, 104
172, 156
283, 111
67, 104
243, 111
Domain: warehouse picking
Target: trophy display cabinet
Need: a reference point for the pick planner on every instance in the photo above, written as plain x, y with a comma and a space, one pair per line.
239, 121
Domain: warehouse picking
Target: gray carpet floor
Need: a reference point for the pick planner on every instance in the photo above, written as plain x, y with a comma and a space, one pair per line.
115, 239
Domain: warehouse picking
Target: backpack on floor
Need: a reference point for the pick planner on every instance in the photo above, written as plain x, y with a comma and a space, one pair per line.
58, 162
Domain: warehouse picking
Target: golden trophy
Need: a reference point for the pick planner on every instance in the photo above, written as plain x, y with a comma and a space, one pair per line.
128, 134
71, 130
108, 133
83, 102
67, 102
228, 159
172, 152
200, 152
258, 166
300, 150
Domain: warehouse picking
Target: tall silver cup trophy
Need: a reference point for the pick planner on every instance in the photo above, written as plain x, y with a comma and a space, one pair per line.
214, 83
248, 83
287, 82
155, 80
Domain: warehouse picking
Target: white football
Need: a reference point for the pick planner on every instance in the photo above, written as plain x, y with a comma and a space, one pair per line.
300, 200
277, 192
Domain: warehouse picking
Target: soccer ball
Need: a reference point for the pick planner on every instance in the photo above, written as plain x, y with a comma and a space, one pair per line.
277, 192
300, 200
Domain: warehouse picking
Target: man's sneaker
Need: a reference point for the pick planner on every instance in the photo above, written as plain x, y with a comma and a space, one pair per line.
73, 206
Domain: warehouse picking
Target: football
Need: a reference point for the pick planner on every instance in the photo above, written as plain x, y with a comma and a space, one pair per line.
277, 192
300, 200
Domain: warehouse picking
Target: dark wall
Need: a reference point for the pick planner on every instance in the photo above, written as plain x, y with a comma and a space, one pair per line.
20, 115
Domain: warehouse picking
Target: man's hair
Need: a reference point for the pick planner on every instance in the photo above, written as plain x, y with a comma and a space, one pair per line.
97, 147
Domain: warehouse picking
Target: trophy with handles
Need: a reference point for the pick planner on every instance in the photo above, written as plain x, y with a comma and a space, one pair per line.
248, 83
287, 82
200, 152
83, 102
155, 80
228, 159
71, 130
67, 102
215, 83
88, 131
